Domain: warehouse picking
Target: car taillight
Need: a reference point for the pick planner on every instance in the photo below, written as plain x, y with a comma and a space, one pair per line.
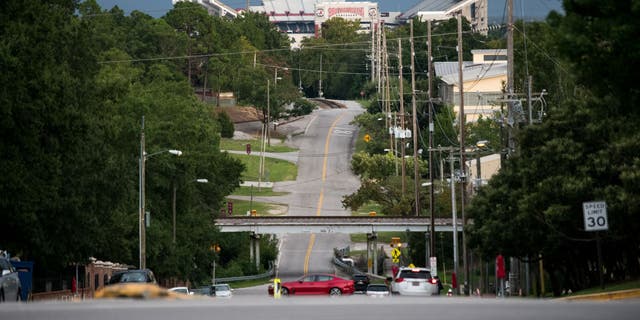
399, 280
434, 281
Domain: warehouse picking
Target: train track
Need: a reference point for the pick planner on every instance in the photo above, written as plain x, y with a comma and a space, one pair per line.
325, 103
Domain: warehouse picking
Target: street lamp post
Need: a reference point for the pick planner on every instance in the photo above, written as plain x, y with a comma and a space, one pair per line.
141, 203
173, 203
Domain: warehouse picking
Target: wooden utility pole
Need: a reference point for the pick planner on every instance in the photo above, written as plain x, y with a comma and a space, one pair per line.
387, 100
416, 175
510, 78
463, 174
432, 228
373, 51
402, 120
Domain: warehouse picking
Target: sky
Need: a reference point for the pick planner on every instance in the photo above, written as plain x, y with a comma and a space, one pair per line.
497, 8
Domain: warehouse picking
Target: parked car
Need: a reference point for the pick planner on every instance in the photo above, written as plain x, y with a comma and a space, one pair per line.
414, 281
10, 286
144, 275
361, 281
377, 290
221, 290
183, 290
316, 284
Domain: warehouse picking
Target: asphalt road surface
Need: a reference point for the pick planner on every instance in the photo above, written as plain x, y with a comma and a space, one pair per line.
356, 307
324, 177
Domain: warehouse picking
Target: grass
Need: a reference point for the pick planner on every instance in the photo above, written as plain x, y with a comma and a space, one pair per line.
633, 284
255, 191
383, 237
241, 145
275, 169
368, 207
241, 207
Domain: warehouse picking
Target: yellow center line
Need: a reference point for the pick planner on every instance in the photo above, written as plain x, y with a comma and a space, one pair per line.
312, 238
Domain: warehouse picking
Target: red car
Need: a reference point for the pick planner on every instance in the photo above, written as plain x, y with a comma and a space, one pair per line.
316, 284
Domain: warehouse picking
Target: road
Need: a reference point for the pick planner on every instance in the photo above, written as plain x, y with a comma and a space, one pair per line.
324, 177
357, 307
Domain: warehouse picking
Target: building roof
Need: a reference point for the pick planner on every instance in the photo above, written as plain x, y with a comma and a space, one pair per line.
445, 6
470, 71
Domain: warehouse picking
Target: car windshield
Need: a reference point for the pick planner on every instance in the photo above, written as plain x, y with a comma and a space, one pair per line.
415, 274
133, 277
222, 287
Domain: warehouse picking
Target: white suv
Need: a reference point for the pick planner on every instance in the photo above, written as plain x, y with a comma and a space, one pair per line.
414, 281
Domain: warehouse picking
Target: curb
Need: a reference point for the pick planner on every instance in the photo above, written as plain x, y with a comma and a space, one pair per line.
606, 296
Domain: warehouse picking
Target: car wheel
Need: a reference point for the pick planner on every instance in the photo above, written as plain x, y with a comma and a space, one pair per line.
284, 291
335, 292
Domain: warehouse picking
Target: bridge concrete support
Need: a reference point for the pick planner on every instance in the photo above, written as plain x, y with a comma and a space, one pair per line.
372, 251
254, 247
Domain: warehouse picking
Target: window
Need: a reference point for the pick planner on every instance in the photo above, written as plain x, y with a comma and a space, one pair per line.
324, 278
105, 279
96, 281
495, 57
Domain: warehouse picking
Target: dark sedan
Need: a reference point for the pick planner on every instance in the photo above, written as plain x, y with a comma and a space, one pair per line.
361, 282
316, 284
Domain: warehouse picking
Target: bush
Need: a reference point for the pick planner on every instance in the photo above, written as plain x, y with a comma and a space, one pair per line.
226, 125
301, 107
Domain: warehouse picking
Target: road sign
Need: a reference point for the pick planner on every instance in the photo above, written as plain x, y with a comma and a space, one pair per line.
367, 138
395, 255
595, 216
248, 148
433, 262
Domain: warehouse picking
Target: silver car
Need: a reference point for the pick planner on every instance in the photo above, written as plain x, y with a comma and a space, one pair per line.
10, 286
377, 290
414, 281
221, 290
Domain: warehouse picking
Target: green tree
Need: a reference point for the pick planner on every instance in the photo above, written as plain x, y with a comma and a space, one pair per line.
581, 152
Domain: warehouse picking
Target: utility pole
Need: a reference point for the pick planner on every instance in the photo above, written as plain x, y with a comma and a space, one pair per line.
387, 99
510, 79
142, 213
463, 175
378, 58
402, 120
373, 51
455, 220
320, 84
416, 175
432, 229
514, 265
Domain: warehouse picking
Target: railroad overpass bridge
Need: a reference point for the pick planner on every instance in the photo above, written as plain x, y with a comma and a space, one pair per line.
330, 224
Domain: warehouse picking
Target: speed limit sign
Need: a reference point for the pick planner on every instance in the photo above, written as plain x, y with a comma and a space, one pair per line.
595, 216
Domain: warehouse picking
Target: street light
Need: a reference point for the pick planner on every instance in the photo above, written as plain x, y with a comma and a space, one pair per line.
479, 146
141, 203
173, 203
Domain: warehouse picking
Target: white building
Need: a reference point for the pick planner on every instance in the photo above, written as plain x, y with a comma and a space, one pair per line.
483, 80
214, 7
476, 11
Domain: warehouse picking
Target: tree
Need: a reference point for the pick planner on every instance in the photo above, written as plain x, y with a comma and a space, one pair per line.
580, 153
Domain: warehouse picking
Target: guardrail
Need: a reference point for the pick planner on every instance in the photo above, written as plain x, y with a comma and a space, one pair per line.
267, 274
